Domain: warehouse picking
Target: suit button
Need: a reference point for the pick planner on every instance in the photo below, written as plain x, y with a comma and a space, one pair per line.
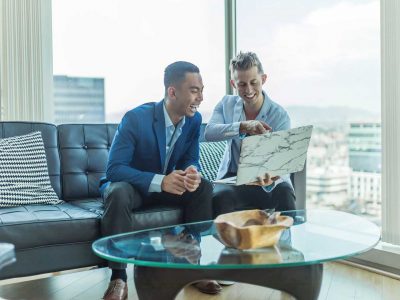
87, 172
84, 147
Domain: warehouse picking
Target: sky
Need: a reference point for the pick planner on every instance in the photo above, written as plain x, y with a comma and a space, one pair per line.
315, 53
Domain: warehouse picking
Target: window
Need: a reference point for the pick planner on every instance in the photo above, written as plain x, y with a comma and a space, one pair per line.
109, 56
322, 59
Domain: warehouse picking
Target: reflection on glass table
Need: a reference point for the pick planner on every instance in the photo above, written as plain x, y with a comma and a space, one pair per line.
166, 259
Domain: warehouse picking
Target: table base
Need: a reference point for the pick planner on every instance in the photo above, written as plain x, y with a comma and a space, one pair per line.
302, 282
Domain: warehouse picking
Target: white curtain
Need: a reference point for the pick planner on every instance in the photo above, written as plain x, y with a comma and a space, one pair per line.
390, 55
26, 69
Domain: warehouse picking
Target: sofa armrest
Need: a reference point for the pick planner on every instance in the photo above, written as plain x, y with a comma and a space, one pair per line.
299, 183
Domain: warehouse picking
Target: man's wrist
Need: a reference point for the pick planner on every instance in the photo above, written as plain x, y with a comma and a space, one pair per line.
156, 183
242, 128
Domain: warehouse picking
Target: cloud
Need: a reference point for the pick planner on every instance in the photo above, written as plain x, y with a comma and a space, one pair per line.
325, 56
345, 32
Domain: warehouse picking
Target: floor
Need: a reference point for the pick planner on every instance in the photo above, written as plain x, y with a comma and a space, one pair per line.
340, 282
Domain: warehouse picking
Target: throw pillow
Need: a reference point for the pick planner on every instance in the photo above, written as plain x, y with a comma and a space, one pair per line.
210, 157
24, 176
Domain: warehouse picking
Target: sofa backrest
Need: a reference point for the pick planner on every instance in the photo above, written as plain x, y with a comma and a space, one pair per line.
84, 153
77, 157
49, 134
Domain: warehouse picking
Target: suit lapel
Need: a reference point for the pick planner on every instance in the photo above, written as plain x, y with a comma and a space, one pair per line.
159, 130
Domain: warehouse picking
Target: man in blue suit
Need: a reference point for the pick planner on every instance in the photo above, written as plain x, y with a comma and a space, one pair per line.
154, 158
236, 116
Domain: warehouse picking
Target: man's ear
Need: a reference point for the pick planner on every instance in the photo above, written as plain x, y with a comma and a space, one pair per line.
263, 78
171, 92
232, 82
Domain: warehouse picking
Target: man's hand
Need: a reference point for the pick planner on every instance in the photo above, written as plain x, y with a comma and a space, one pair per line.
174, 183
253, 127
192, 179
266, 180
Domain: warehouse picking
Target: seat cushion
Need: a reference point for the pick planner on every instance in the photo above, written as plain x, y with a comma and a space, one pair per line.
143, 218
40, 225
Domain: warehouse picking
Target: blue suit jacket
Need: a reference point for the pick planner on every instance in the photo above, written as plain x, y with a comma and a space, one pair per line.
138, 149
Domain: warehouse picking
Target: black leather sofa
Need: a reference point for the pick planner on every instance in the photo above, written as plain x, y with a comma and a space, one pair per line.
52, 238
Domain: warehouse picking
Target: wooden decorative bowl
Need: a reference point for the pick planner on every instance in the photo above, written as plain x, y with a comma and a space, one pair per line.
249, 229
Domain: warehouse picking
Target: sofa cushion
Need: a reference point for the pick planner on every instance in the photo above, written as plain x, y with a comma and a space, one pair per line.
24, 176
94, 205
146, 217
41, 225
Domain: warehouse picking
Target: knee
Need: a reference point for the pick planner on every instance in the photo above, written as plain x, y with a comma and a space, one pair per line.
222, 200
285, 197
221, 194
206, 187
121, 195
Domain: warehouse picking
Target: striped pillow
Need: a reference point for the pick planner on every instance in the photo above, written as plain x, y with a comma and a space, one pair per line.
24, 177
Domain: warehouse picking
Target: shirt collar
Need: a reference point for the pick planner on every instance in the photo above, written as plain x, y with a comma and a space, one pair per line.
266, 105
168, 122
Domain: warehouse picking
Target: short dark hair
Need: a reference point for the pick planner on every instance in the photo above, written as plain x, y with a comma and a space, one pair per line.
245, 61
175, 72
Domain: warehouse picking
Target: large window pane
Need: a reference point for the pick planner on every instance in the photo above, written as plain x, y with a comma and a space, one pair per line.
118, 50
323, 63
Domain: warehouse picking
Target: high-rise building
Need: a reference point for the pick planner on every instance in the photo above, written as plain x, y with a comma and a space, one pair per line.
365, 147
365, 162
328, 186
78, 99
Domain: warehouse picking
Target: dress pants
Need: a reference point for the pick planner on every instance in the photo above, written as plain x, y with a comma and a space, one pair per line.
229, 198
121, 198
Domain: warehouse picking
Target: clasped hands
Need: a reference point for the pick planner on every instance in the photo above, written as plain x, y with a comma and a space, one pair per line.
178, 181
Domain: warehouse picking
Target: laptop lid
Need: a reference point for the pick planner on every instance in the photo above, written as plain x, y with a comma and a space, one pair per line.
276, 153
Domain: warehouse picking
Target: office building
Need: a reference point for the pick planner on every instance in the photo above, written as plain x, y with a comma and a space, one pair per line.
78, 99
365, 161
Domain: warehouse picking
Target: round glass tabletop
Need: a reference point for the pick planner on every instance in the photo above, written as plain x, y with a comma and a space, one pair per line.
316, 236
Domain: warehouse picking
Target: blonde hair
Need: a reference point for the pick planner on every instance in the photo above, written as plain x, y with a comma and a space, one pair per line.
245, 61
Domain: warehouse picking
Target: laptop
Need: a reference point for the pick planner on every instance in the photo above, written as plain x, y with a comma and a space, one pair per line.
276, 153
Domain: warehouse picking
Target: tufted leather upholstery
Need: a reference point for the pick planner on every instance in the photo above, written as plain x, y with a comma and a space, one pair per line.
40, 225
84, 152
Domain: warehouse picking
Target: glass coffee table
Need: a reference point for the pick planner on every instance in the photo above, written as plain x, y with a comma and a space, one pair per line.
167, 259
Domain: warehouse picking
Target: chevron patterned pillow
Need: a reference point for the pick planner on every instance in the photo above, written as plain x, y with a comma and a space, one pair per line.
24, 176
